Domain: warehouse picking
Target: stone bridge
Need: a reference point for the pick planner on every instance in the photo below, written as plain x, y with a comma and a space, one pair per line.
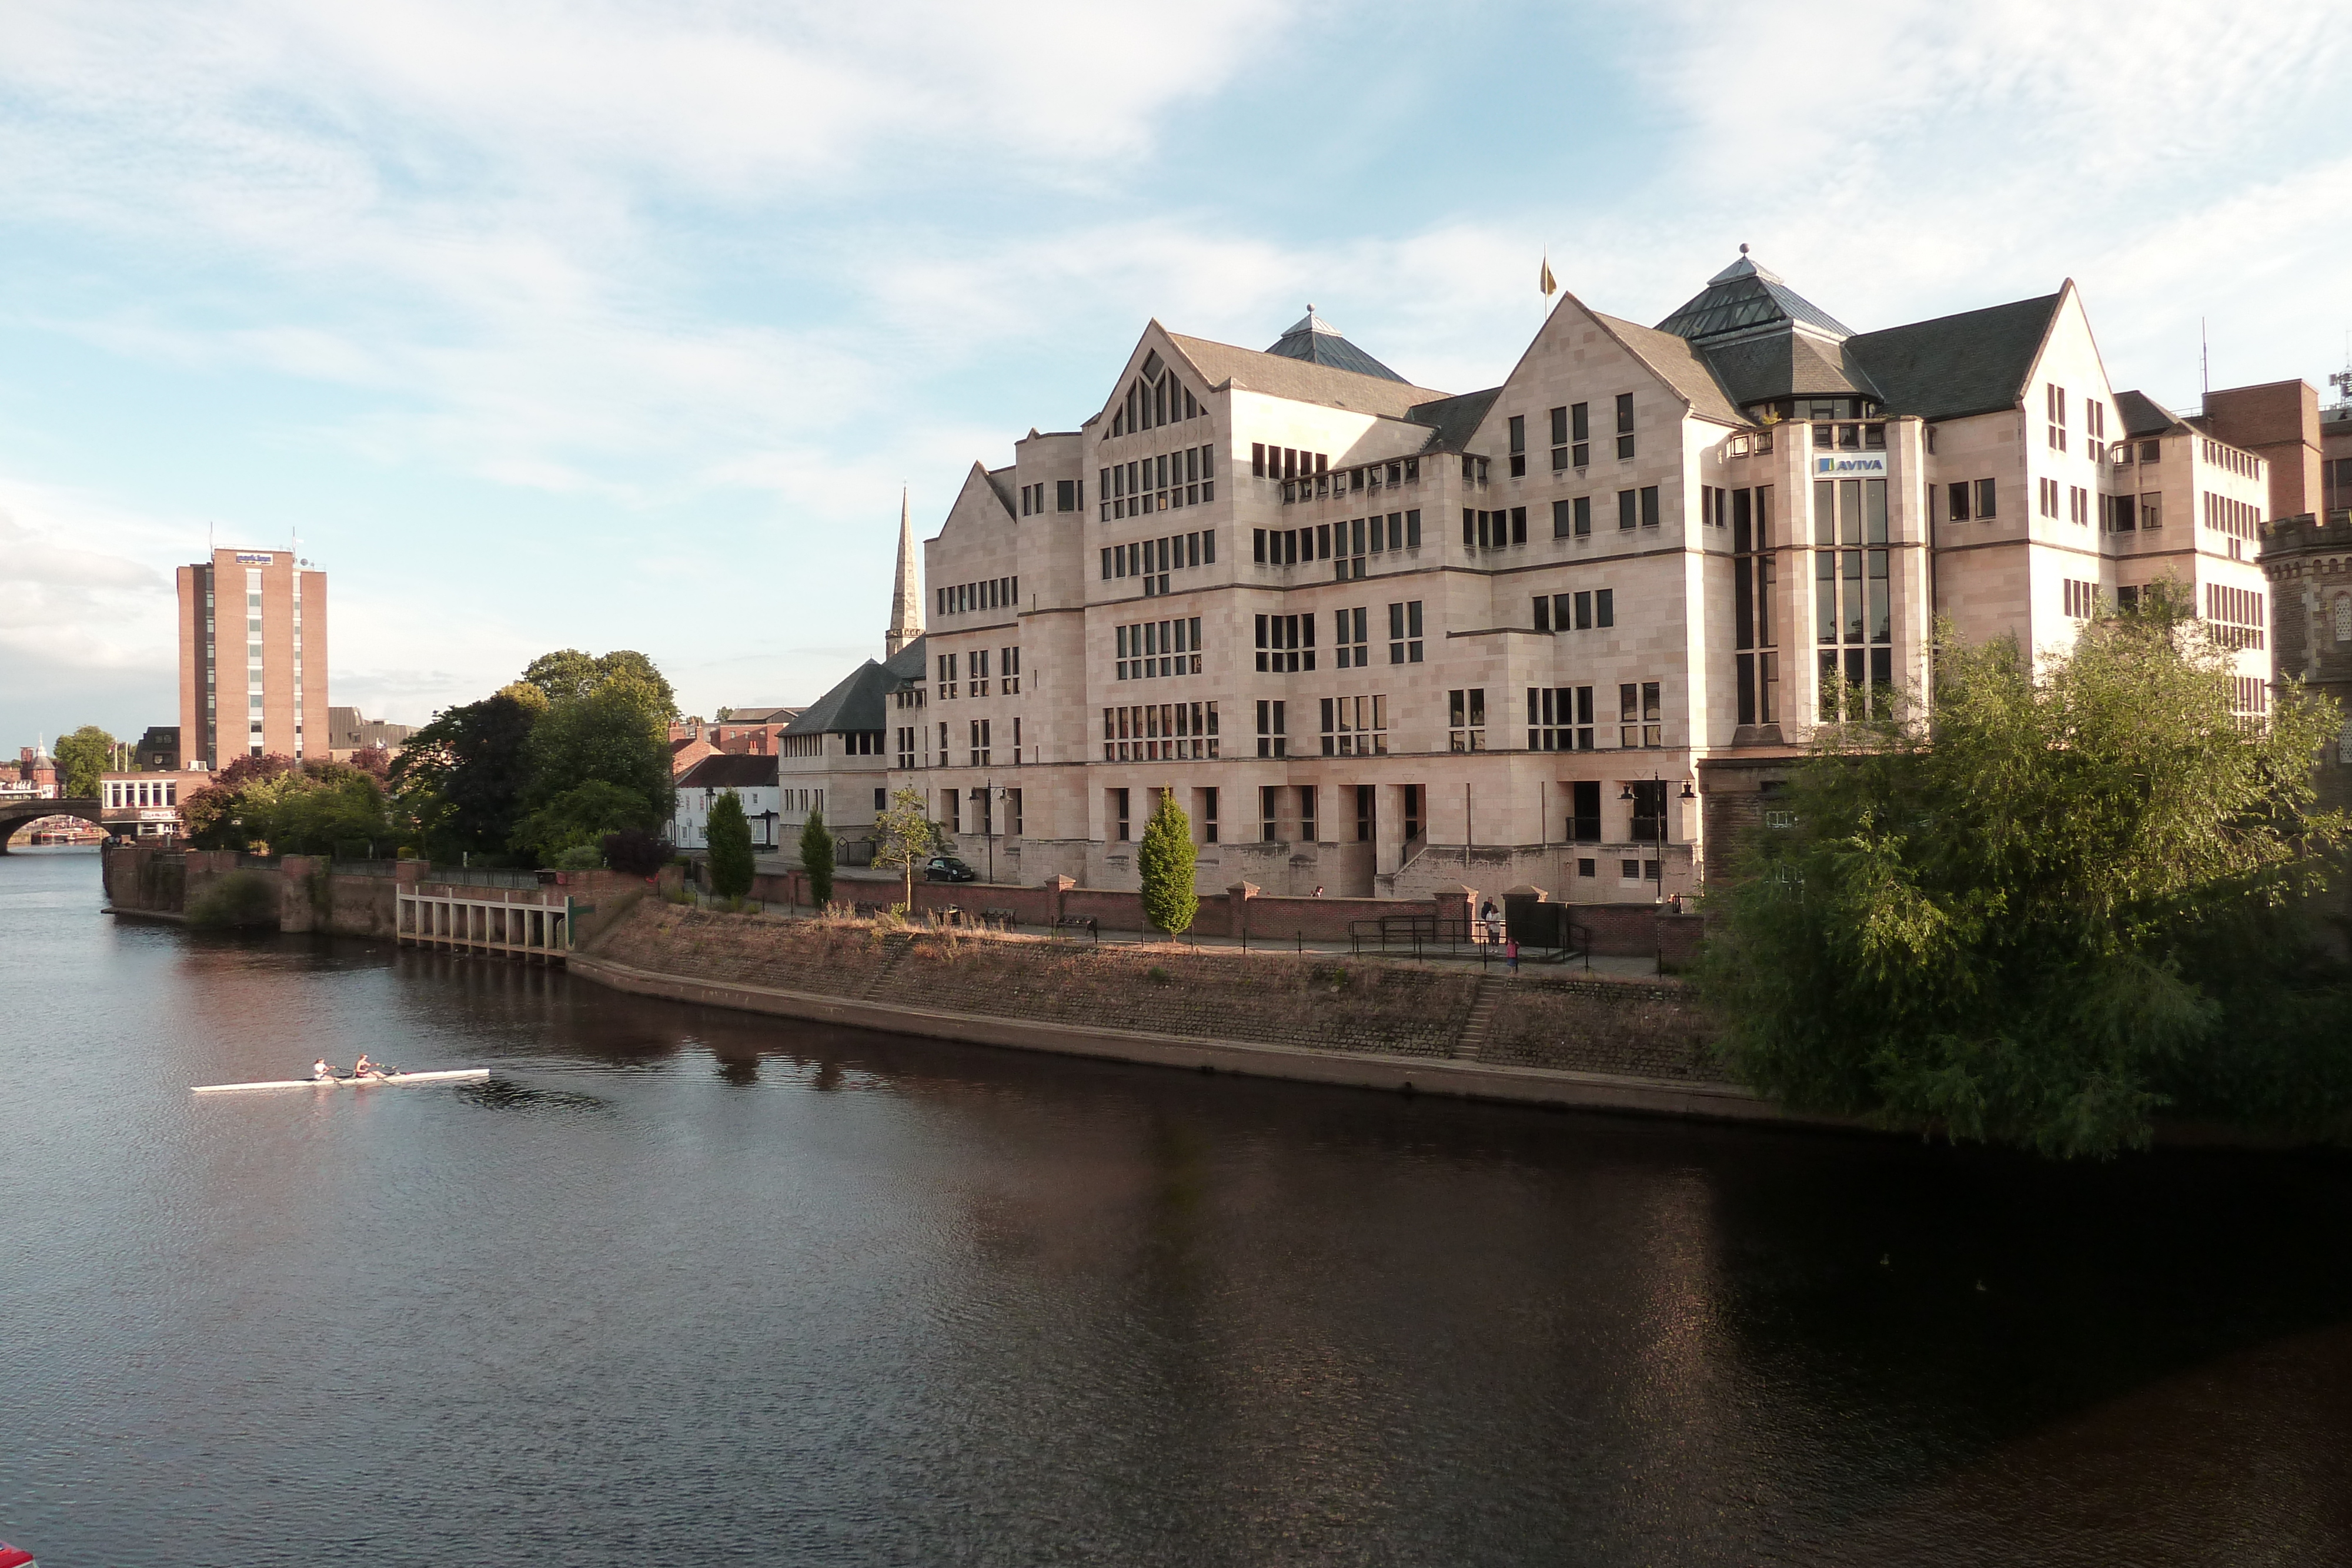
15, 815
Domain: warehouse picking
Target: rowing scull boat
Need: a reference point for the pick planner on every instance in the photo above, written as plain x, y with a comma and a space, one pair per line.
460, 1075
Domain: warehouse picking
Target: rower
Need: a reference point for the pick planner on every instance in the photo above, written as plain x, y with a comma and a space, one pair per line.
322, 1070
364, 1068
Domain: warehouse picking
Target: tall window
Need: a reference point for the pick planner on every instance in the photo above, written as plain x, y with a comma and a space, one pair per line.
946, 677
1411, 813
1579, 435
1649, 810
1757, 662
1560, 718
1404, 632
1271, 740
1352, 628
1465, 719
1119, 818
979, 746
1853, 611
2054, 396
1306, 833
1584, 811
1639, 723
1286, 643
1269, 811
1009, 670
1518, 446
979, 671
1356, 726
1624, 425
1206, 800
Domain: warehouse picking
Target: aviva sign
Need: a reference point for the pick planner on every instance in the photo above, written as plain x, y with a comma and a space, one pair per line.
1851, 465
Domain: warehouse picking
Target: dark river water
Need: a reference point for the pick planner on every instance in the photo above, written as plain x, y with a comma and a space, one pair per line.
682, 1287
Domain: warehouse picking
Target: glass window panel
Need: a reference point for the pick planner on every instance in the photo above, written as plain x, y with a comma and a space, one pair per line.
1874, 511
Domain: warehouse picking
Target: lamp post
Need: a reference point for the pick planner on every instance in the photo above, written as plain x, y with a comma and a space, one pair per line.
988, 824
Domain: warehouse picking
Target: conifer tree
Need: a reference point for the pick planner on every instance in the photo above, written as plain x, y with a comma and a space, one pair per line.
731, 847
1165, 864
817, 858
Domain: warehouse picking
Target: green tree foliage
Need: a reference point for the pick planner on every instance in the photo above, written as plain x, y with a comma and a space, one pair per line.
817, 858
729, 836
462, 777
1164, 862
616, 733
905, 837
568, 673
580, 817
2054, 903
306, 809
82, 756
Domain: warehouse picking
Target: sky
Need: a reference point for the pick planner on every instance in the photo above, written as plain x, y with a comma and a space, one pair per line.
621, 325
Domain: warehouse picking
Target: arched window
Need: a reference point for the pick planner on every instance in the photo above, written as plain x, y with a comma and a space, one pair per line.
2344, 617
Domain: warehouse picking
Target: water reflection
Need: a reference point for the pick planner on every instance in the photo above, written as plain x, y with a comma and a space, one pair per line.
717, 1287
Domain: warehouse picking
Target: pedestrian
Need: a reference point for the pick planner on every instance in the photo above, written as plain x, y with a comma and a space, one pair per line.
1318, 890
1511, 955
1492, 918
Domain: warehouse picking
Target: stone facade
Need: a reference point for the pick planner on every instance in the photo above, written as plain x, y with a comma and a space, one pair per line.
2309, 563
1377, 639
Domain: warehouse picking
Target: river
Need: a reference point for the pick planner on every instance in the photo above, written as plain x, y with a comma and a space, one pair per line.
684, 1287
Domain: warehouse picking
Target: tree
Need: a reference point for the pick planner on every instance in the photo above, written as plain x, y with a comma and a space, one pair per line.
817, 858
637, 852
731, 847
905, 837
1164, 863
2047, 905
374, 760
82, 756
462, 777
615, 732
580, 817
569, 673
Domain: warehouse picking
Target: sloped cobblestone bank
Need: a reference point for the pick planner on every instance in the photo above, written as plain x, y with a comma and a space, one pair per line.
1323, 1003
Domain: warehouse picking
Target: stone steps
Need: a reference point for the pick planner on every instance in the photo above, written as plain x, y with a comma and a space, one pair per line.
1471, 1043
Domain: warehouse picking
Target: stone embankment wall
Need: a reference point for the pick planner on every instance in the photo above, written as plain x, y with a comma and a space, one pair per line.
1315, 1002
315, 895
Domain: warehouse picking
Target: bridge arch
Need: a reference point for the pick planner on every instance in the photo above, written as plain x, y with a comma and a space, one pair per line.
15, 815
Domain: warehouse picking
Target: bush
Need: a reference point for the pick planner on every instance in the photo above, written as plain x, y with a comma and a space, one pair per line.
580, 857
241, 900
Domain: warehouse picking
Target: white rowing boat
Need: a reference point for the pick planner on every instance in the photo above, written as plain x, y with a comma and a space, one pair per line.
465, 1074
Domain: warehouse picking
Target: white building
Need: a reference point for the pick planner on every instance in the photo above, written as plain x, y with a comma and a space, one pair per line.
750, 779
1377, 638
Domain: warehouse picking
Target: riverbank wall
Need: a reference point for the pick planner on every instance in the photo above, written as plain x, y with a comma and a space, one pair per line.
1601, 1043
409, 900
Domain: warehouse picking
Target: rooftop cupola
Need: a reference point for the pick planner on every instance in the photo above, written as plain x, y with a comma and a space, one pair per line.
1747, 297
1317, 342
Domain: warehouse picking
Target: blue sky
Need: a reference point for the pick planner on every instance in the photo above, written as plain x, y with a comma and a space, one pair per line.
620, 325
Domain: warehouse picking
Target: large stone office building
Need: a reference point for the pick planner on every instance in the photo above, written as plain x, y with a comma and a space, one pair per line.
1378, 638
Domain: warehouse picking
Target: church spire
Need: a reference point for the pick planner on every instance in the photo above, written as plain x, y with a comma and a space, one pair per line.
906, 598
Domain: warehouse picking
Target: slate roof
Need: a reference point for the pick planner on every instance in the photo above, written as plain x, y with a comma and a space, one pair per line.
727, 770
859, 700
1743, 296
1455, 419
2141, 414
1315, 339
759, 716
1974, 362
1683, 366
1785, 364
1303, 381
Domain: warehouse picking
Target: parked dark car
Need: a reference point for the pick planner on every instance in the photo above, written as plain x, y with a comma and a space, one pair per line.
946, 868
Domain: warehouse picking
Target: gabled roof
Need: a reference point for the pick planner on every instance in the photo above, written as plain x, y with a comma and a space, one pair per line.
759, 716
1302, 380
729, 771
1312, 338
1455, 419
855, 703
908, 663
1974, 362
2141, 414
1743, 297
1680, 365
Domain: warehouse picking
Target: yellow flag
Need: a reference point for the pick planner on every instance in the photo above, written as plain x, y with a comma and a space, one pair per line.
1545, 282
